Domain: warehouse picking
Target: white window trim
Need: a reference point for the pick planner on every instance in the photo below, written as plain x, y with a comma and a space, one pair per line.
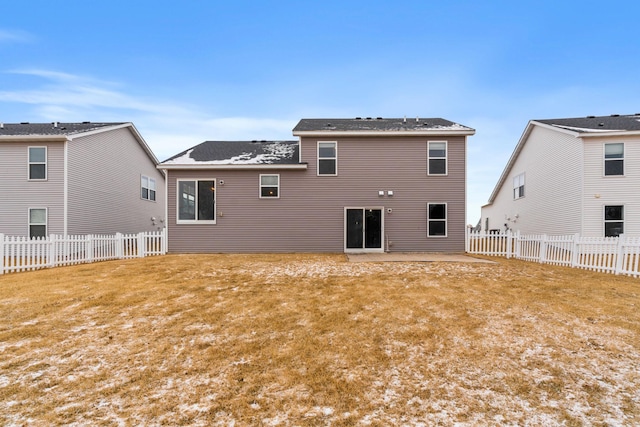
446, 159
196, 221
149, 180
326, 158
260, 186
45, 163
46, 220
604, 160
446, 220
524, 183
605, 221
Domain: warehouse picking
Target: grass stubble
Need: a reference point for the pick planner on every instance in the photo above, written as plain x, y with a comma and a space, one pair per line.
315, 340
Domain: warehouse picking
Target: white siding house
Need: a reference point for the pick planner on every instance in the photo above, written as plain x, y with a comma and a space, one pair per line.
77, 178
570, 176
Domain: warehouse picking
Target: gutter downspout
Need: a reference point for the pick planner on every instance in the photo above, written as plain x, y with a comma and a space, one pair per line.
65, 196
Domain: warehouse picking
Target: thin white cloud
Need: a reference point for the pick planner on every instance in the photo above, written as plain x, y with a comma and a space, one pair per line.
168, 126
15, 36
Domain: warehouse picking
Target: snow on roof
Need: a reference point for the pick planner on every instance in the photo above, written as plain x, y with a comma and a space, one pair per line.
238, 153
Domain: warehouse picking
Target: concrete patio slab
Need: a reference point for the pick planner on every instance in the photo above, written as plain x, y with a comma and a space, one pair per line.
414, 257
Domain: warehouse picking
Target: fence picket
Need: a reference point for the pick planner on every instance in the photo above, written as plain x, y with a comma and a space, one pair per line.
616, 255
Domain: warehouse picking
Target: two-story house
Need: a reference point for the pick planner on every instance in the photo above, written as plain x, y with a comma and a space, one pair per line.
77, 178
573, 175
353, 185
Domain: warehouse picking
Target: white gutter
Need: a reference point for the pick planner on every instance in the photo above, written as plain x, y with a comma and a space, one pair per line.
236, 167
439, 132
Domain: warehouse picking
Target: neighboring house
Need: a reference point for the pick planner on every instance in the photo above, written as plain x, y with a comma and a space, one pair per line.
77, 178
568, 176
353, 185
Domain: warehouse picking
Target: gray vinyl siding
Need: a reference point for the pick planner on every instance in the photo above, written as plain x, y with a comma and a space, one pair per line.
552, 163
601, 190
309, 215
104, 185
19, 194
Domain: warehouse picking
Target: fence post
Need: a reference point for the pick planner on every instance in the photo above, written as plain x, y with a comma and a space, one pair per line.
619, 254
574, 250
165, 241
141, 245
119, 246
508, 241
89, 248
542, 256
1, 253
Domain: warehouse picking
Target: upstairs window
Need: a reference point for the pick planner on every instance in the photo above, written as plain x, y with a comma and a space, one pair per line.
269, 186
518, 186
437, 158
38, 163
327, 158
196, 201
436, 220
613, 220
614, 159
148, 188
37, 223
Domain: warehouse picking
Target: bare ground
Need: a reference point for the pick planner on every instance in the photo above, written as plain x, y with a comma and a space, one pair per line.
315, 340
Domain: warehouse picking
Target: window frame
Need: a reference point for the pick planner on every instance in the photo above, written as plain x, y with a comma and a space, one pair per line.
46, 222
445, 220
148, 188
261, 186
335, 158
606, 221
445, 158
30, 163
611, 160
520, 188
196, 220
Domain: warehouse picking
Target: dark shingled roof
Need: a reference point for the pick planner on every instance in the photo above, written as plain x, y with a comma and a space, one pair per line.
360, 124
598, 123
25, 129
239, 152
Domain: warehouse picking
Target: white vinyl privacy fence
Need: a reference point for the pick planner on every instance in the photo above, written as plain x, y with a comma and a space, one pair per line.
22, 253
617, 255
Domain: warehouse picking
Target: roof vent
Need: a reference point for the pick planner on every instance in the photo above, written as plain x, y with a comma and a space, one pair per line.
378, 118
601, 124
264, 140
417, 119
1, 125
24, 123
85, 123
368, 118
55, 124
254, 140
328, 125
404, 120
615, 115
358, 118
591, 117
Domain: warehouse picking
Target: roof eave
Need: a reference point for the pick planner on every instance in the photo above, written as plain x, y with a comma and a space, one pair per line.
35, 138
432, 132
612, 133
300, 166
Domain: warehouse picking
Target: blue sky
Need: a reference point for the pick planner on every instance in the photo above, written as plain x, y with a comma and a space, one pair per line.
184, 72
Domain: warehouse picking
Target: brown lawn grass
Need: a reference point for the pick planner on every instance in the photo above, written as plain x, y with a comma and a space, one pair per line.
316, 340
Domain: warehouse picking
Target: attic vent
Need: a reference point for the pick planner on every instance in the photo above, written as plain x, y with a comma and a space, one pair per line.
358, 118
615, 115
591, 117
85, 123
368, 118
378, 118
24, 123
